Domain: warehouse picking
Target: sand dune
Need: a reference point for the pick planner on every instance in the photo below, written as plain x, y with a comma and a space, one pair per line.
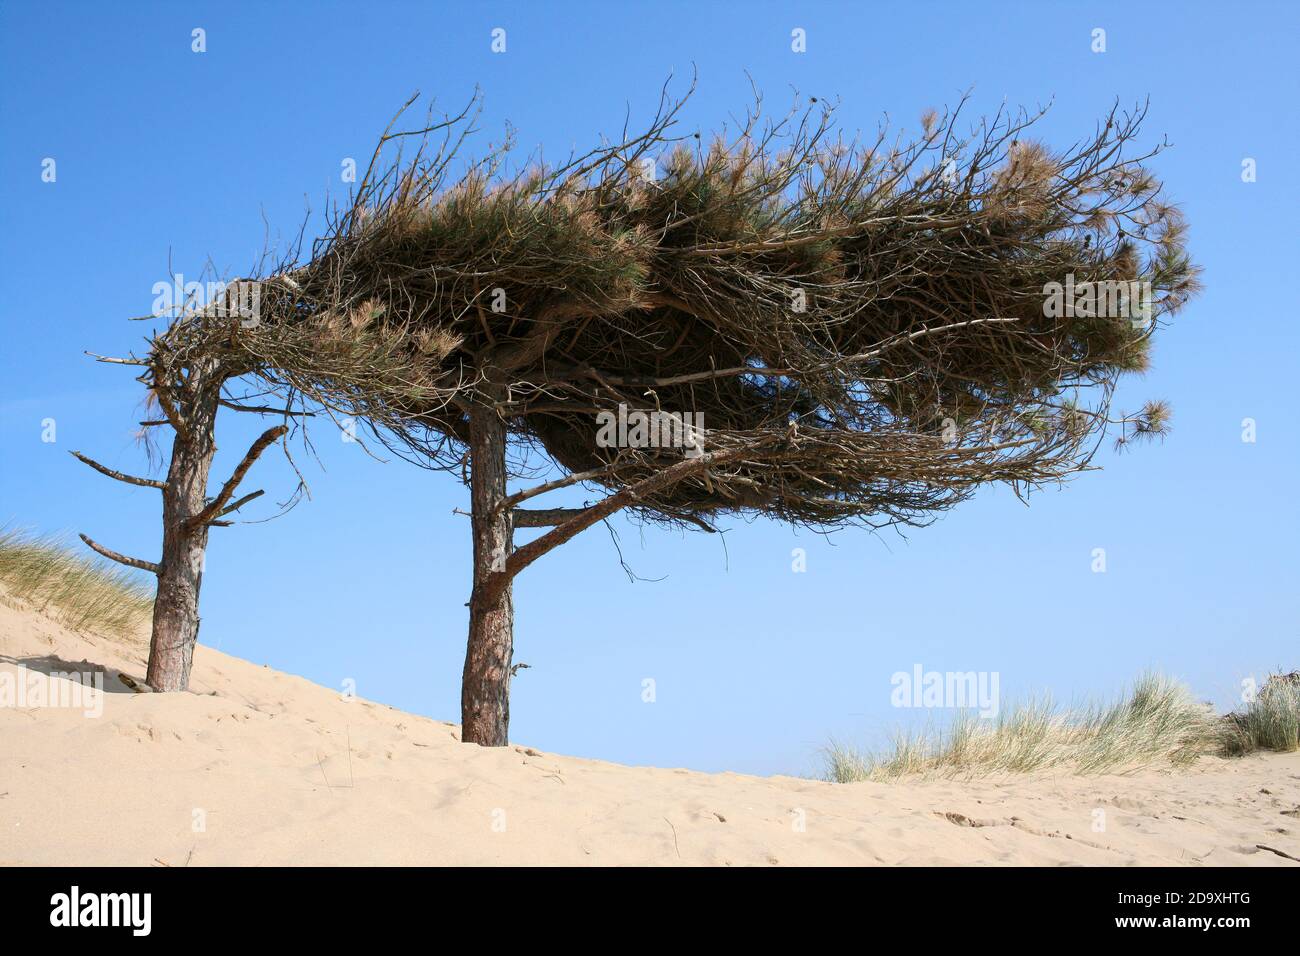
261, 767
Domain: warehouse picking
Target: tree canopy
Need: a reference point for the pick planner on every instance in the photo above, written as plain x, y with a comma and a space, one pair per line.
861, 332
865, 322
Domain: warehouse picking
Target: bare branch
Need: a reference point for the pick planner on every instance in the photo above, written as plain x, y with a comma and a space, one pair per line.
121, 558
129, 479
171, 411
132, 360
628, 496
567, 481
216, 505
550, 517
240, 503
264, 410
543, 517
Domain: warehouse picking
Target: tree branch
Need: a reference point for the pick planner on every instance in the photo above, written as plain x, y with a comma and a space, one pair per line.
692, 519
526, 555
550, 517
215, 506
263, 410
117, 361
121, 558
241, 502
543, 517
172, 412
576, 478
649, 381
129, 479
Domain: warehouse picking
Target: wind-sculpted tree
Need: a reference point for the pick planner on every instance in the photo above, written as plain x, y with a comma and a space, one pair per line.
205, 361
187, 384
827, 332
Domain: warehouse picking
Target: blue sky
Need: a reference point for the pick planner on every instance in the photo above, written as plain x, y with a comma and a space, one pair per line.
166, 157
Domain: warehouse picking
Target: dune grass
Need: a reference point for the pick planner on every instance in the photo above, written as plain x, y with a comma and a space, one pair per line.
78, 591
1157, 722
1270, 722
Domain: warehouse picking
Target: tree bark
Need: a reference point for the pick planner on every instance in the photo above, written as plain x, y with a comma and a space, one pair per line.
485, 682
180, 571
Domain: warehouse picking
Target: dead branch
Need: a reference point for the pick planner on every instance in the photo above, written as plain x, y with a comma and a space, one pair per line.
264, 410
628, 496
543, 517
132, 360
121, 558
129, 479
216, 506
230, 509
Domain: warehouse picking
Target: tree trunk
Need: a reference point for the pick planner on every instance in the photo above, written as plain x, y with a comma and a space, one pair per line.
485, 682
180, 574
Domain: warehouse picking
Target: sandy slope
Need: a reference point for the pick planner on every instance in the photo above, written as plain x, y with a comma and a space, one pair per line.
284, 771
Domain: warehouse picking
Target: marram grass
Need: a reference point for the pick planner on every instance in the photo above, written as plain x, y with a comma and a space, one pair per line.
1270, 722
1157, 723
79, 592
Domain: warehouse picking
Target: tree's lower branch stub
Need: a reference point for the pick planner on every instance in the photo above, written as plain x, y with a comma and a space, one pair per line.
149, 566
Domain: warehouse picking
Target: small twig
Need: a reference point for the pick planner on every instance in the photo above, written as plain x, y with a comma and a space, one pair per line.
674, 829
1281, 853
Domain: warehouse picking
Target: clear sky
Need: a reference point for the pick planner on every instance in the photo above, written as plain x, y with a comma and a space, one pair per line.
166, 157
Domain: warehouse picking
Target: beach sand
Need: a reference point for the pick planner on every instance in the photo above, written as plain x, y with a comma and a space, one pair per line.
256, 767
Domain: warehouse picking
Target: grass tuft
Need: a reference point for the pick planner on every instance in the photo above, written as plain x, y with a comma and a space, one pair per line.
1270, 722
1157, 722
79, 592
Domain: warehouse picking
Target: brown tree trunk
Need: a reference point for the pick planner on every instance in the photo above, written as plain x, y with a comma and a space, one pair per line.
180, 573
485, 682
